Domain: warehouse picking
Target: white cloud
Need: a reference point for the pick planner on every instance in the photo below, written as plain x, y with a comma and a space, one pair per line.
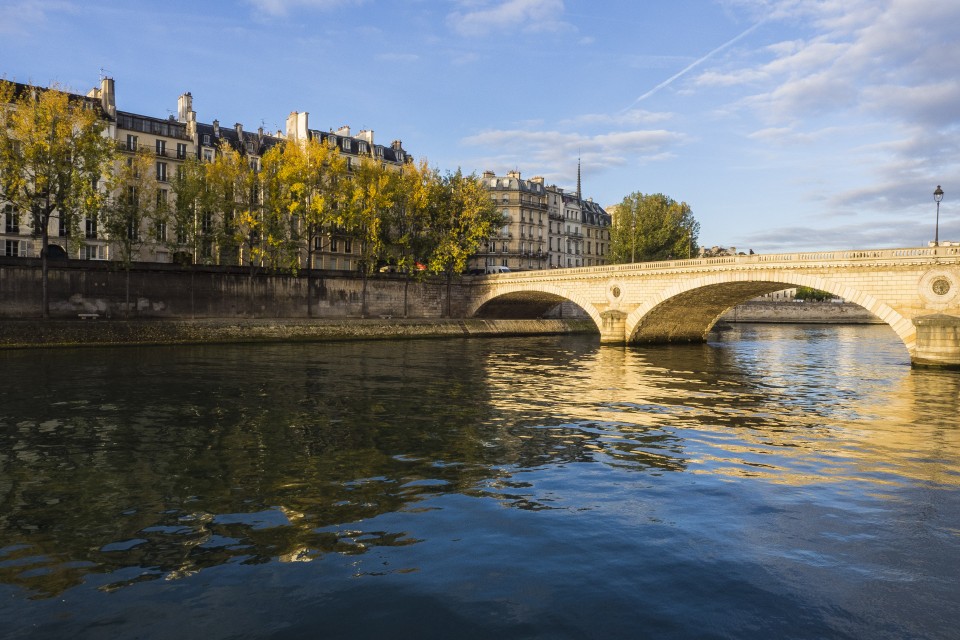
554, 154
508, 16
630, 118
18, 17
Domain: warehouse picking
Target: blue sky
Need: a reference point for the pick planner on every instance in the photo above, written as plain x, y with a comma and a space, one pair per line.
795, 125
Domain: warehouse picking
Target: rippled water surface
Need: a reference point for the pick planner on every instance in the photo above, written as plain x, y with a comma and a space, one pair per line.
778, 482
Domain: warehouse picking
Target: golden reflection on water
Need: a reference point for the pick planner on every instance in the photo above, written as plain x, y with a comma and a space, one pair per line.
776, 408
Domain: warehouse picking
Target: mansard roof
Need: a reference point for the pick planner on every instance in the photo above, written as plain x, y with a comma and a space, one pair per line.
20, 89
355, 146
513, 183
261, 142
169, 127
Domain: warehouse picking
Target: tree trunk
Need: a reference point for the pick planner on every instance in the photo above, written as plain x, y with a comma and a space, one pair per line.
44, 267
406, 287
449, 279
310, 240
363, 294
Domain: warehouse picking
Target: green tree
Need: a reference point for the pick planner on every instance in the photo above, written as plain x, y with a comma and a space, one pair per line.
53, 155
130, 207
189, 189
816, 295
463, 216
652, 227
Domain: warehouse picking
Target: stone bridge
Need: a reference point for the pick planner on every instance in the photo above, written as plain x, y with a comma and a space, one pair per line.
916, 291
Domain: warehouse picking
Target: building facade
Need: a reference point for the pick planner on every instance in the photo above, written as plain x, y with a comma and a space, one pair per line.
543, 227
172, 141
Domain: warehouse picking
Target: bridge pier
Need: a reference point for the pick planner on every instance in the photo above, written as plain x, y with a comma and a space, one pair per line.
614, 327
938, 341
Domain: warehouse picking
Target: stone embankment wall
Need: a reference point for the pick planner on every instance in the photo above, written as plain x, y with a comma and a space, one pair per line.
69, 333
171, 292
801, 312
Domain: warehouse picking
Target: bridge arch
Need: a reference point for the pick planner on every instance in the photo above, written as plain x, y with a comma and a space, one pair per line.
530, 299
687, 310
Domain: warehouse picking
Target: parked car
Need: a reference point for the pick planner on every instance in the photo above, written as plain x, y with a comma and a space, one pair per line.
496, 269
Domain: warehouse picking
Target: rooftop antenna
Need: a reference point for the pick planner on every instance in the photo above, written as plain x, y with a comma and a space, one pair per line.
103, 73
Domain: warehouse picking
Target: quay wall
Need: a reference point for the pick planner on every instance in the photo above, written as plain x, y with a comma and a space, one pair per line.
73, 333
171, 292
801, 312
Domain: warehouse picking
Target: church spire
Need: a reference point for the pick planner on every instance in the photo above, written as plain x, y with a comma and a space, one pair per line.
579, 197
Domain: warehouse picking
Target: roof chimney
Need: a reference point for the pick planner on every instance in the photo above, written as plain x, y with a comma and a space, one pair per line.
216, 128
108, 98
184, 107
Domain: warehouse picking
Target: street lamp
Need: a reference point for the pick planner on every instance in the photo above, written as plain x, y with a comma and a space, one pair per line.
937, 197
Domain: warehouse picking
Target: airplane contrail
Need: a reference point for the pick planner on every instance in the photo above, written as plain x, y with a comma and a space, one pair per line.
693, 64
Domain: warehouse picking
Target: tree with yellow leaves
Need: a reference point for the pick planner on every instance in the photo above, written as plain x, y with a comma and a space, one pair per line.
53, 155
364, 218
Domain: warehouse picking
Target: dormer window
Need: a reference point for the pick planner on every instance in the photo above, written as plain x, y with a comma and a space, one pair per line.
346, 144
206, 139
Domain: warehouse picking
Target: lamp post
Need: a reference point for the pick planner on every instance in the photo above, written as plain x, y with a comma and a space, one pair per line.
937, 197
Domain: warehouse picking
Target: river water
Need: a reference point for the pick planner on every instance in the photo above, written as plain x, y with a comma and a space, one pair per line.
777, 482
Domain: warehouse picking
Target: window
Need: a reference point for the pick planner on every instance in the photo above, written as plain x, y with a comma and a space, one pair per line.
62, 229
12, 220
206, 139
208, 155
13, 248
363, 147
318, 243
161, 147
93, 252
181, 234
333, 244
347, 246
133, 231
161, 171
160, 231
131, 142
161, 199
90, 225
181, 151
346, 144
250, 147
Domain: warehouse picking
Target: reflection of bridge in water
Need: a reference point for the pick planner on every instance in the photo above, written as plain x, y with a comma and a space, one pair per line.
916, 291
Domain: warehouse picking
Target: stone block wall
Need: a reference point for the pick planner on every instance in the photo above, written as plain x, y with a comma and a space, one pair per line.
171, 292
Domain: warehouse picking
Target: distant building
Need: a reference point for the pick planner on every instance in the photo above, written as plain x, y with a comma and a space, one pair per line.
543, 226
